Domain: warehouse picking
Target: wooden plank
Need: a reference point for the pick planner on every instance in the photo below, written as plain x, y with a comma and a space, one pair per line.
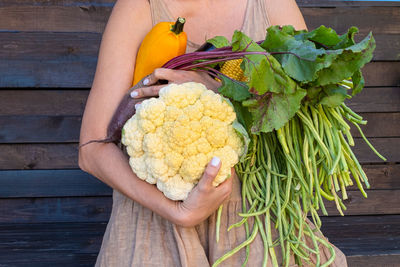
56, 129
48, 59
65, 243
389, 147
369, 245
66, 128
379, 74
59, 129
359, 235
379, 125
72, 102
43, 259
387, 47
39, 129
65, 156
52, 237
38, 156
379, 202
51, 183
373, 261
42, 46
376, 99
74, 18
62, 183
70, 45
80, 73
58, 209
68, 74
386, 19
385, 176
97, 209
44, 102
361, 227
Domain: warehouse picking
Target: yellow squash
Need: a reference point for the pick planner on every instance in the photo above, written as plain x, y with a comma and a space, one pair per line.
165, 41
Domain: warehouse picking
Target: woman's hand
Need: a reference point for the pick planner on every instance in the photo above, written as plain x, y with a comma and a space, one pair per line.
172, 76
205, 198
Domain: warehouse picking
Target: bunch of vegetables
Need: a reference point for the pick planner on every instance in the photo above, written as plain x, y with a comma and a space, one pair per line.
289, 96
291, 101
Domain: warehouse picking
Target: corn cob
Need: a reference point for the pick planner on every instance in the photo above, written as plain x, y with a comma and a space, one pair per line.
231, 68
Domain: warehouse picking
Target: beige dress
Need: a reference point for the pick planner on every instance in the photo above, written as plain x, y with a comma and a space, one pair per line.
135, 236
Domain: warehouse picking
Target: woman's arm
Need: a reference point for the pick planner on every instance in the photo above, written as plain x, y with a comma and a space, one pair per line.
127, 26
285, 12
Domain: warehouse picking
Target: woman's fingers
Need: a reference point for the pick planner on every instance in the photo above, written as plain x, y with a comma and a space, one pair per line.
146, 91
137, 105
211, 172
147, 87
161, 74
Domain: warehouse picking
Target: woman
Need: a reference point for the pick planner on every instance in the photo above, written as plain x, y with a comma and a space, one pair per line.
146, 228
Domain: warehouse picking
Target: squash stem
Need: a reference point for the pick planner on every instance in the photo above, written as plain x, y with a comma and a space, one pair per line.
177, 28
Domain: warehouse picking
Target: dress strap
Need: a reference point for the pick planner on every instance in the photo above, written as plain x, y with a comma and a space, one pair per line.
256, 20
159, 11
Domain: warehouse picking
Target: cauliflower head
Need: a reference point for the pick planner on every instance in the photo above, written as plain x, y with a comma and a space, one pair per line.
171, 139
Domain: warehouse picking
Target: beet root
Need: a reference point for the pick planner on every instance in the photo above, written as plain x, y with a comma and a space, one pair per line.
125, 110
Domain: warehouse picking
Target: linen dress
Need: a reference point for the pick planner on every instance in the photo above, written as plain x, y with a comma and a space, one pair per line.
135, 236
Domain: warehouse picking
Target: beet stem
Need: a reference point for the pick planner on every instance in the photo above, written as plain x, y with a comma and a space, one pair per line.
106, 140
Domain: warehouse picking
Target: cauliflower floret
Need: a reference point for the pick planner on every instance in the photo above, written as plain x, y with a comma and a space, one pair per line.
234, 141
172, 113
170, 140
181, 95
153, 144
151, 114
139, 167
174, 161
157, 168
132, 137
216, 107
216, 133
193, 167
190, 150
178, 134
175, 188
203, 145
195, 111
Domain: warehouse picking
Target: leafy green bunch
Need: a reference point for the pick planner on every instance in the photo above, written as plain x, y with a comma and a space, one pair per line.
292, 66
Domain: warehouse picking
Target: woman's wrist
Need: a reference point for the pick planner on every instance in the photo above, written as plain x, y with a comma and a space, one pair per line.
184, 216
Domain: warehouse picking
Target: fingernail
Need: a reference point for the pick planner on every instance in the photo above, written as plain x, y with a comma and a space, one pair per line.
137, 106
215, 161
146, 81
134, 94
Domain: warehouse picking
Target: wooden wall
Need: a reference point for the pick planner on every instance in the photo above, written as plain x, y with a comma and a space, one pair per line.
52, 213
